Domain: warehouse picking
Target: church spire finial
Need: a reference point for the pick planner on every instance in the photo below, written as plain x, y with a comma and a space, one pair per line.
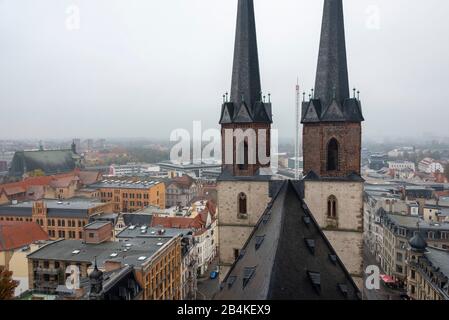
332, 70
246, 74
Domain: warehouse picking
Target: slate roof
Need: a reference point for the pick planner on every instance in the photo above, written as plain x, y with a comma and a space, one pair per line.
15, 234
331, 101
245, 105
132, 252
288, 257
73, 208
137, 219
49, 161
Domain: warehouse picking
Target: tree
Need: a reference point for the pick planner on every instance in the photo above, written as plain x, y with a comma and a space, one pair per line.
7, 284
446, 171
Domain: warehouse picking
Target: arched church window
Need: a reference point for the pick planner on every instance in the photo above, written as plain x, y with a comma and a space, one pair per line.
332, 207
244, 165
242, 205
332, 155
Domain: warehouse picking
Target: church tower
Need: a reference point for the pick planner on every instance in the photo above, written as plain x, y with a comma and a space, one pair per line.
332, 138
246, 118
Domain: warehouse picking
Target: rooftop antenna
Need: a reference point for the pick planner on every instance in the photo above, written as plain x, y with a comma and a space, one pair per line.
269, 98
313, 93
227, 94
297, 120
224, 98
303, 96
358, 95
354, 92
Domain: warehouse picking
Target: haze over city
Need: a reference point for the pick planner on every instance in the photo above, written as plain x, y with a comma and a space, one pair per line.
136, 69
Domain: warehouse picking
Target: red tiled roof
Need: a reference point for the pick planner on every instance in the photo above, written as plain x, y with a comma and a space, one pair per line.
178, 222
57, 181
89, 177
184, 181
17, 234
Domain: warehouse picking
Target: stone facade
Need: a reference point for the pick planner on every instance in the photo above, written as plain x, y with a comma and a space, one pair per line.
233, 231
316, 137
345, 231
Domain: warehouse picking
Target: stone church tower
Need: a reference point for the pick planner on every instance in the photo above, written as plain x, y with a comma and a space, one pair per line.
332, 134
243, 188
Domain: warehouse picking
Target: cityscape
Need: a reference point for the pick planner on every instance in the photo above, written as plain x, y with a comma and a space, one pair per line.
250, 209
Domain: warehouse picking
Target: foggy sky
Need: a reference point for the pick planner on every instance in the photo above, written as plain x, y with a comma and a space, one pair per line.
141, 68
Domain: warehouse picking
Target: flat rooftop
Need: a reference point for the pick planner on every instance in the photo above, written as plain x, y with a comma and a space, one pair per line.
133, 232
129, 252
122, 184
72, 208
74, 203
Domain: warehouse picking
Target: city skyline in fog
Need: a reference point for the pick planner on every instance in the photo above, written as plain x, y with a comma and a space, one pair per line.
142, 69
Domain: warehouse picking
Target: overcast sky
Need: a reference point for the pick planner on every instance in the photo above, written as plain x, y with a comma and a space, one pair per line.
141, 68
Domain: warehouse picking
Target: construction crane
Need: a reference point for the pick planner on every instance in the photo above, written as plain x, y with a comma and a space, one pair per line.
297, 121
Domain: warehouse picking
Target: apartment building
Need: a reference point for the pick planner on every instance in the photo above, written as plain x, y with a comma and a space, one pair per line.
156, 263
398, 229
59, 219
130, 196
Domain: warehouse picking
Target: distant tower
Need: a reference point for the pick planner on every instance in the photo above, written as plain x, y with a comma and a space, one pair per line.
73, 147
332, 138
243, 191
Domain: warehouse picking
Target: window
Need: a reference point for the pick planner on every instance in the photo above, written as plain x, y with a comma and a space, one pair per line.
236, 254
91, 235
243, 163
332, 155
332, 207
242, 204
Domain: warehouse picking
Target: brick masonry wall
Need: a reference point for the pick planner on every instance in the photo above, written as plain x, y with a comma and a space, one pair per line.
315, 140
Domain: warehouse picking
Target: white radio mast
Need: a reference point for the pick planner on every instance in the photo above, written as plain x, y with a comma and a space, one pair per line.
297, 120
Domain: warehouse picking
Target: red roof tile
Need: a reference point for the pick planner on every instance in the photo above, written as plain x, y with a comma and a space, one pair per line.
17, 234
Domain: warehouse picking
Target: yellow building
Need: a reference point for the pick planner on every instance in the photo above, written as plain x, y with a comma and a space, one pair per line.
17, 239
129, 196
60, 219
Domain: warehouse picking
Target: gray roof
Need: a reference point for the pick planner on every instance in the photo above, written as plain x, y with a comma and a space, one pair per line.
439, 258
410, 222
137, 219
138, 232
96, 225
246, 103
72, 208
127, 252
287, 257
49, 161
331, 101
122, 184
228, 176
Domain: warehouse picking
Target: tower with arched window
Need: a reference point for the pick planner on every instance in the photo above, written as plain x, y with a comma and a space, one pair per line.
246, 118
332, 139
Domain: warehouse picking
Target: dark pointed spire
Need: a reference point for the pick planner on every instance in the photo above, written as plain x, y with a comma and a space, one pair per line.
332, 71
245, 73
